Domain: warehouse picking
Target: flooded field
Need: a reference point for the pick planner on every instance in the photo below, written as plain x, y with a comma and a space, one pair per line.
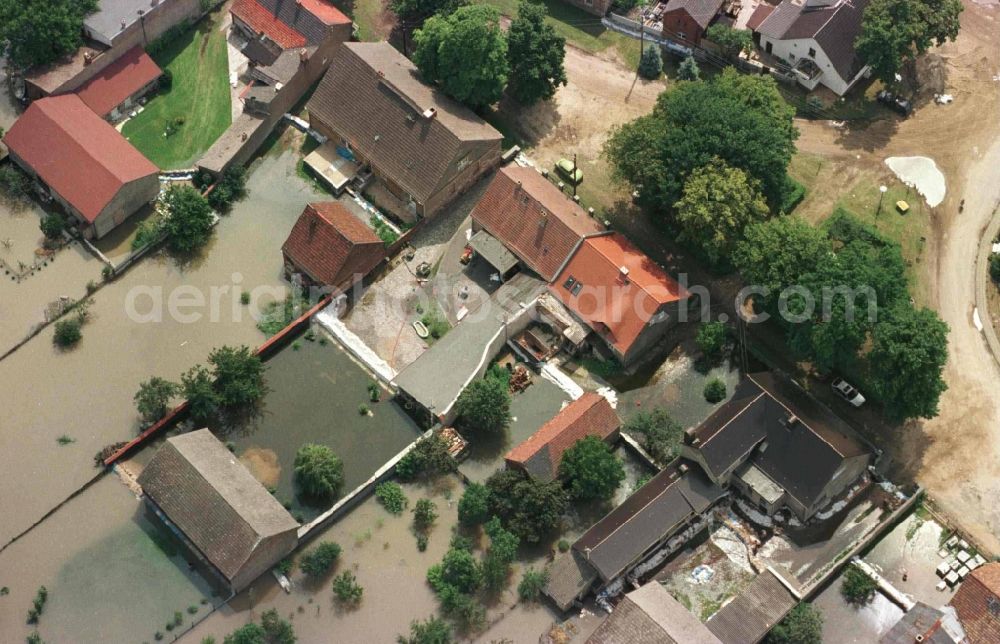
112, 574
315, 393
142, 325
845, 623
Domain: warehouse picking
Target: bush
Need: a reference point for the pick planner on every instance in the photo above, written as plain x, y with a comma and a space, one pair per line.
711, 339
384, 232
429, 457
995, 268
318, 471
435, 322
68, 331
52, 226
715, 390
474, 506
590, 470
152, 398
532, 584
857, 587
239, 376
563, 545
484, 406
792, 195
166, 80
650, 63
688, 70
391, 496
188, 223
276, 629
231, 187
657, 432
318, 562
431, 631
802, 625
14, 184
424, 514
346, 588
460, 569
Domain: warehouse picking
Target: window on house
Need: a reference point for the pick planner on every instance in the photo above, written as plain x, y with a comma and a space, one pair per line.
576, 288
768, 47
812, 52
569, 283
464, 161
791, 56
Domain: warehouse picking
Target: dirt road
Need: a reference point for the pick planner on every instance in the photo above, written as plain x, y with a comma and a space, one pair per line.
956, 456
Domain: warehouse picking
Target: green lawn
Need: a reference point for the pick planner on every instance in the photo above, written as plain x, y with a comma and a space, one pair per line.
200, 95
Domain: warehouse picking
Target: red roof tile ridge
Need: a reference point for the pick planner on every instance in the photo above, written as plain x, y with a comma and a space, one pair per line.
563, 420
674, 290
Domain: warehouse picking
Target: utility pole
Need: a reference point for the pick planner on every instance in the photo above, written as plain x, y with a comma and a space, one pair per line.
142, 22
574, 181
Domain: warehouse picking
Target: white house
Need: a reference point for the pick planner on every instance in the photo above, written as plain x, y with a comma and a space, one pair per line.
816, 39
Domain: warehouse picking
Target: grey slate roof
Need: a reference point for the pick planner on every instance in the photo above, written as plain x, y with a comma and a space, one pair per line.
569, 577
107, 20
652, 513
751, 614
650, 615
213, 499
373, 96
835, 29
702, 11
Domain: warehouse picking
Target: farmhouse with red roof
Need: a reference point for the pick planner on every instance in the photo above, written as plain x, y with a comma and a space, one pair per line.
540, 455
113, 91
86, 165
330, 246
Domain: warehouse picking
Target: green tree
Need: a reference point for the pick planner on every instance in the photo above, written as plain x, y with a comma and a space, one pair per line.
415, 12
346, 588
199, 391
14, 184
909, 351
856, 586
711, 338
895, 32
465, 53
532, 584
247, 634
424, 514
276, 629
318, 471
319, 561
657, 432
391, 496
590, 470
528, 508
188, 223
239, 375
535, 54
484, 406
688, 70
715, 390
718, 203
474, 506
460, 569
732, 41
429, 457
68, 331
230, 187
650, 63
52, 225
37, 32
499, 556
738, 118
153, 397
433, 630
775, 254
802, 625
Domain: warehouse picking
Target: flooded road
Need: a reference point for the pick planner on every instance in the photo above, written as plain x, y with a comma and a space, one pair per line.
85, 394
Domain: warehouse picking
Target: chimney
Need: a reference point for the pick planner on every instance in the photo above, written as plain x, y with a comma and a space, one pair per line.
123, 23
791, 421
544, 220
623, 273
683, 468
430, 113
88, 57
586, 552
303, 56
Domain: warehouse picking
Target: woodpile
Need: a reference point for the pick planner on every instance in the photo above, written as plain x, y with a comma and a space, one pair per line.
520, 379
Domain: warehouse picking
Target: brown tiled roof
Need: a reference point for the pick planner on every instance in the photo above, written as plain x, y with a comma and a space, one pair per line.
119, 80
213, 499
331, 245
977, 604
263, 21
701, 11
835, 28
569, 577
533, 219
76, 153
615, 304
540, 455
650, 615
754, 612
651, 514
758, 16
373, 96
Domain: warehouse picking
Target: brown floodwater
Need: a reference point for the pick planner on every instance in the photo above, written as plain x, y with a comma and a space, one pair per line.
85, 393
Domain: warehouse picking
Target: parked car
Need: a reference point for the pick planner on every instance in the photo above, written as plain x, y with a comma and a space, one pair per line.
897, 103
848, 392
566, 168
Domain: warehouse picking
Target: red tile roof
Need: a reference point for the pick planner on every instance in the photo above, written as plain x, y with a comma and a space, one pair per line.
76, 153
616, 304
331, 245
541, 453
326, 12
977, 604
118, 81
533, 219
759, 14
263, 21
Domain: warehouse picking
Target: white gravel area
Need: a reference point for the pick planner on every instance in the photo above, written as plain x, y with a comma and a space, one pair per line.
923, 174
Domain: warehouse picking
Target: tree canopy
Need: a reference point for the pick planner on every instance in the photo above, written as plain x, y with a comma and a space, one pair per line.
590, 470
802, 625
895, 32
657, 432
741, 119
433, 630
774, 254
239, 375
732, 41
484, 405
189, 218
415, 12
535, 53
465, 53
474, 506
38, 32
318, 471
527, 508
718, 202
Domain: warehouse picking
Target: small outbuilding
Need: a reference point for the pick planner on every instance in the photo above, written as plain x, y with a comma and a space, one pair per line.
217, 508
650, 615
113, 91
